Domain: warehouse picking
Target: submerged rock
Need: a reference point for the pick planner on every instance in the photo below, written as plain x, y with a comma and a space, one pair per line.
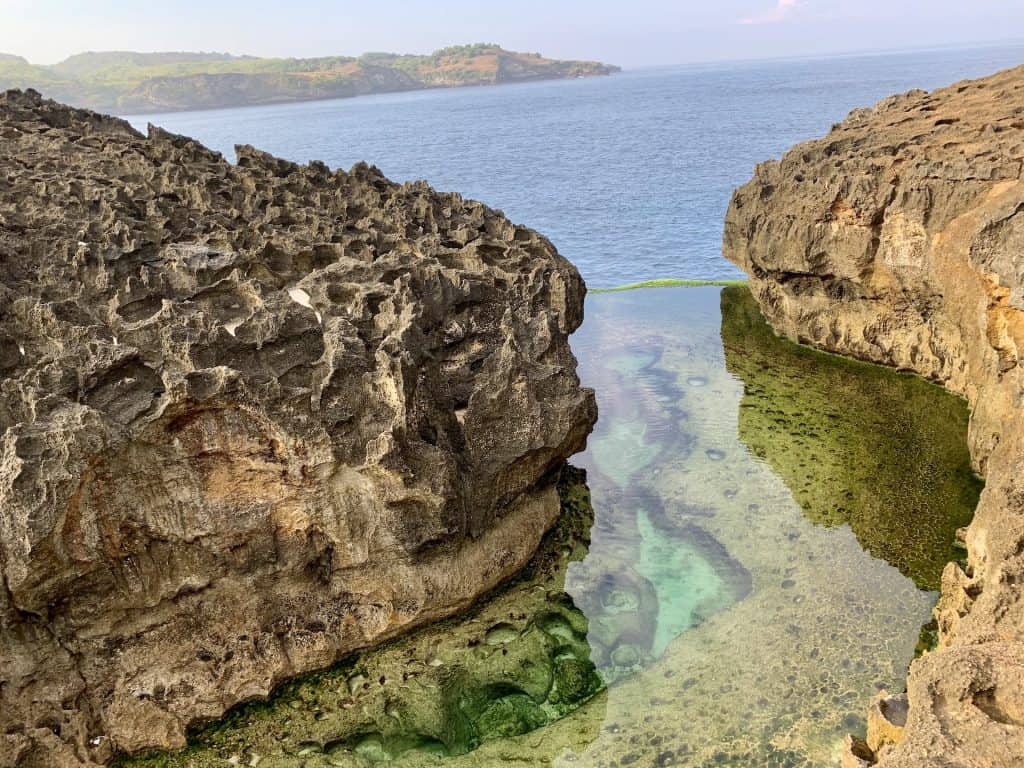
898, 239
253, 418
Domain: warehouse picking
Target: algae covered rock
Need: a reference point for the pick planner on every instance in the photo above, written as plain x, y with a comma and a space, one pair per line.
855, 444
253, 418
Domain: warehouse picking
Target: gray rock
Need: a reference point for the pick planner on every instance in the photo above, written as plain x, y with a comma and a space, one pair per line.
253, 417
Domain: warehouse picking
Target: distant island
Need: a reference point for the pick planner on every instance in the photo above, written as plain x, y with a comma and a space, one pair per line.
125, 82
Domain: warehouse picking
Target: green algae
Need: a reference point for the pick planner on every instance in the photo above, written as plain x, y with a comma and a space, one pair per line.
668, 282
855, 443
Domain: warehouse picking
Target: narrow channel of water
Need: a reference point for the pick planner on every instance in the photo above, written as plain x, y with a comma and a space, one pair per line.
767, 526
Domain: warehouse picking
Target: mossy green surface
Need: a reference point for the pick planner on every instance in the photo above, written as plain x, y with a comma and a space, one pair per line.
668, 282
856, 443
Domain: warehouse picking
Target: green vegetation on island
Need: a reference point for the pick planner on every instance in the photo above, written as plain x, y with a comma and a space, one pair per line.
125, 82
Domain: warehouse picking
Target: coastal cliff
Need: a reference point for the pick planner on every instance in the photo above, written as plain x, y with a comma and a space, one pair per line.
127, 82
899, 239
253, 417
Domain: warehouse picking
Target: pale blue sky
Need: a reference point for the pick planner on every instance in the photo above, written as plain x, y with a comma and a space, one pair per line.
627, 32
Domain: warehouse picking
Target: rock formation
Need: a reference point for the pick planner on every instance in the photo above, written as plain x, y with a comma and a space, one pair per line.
899, 239
471, 691
253, 417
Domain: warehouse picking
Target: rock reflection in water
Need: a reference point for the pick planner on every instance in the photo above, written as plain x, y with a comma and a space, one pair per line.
854, 443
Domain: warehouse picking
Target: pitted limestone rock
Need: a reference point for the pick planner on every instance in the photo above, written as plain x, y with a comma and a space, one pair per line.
253, 417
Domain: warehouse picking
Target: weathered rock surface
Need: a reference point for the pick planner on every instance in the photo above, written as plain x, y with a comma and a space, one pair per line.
899, 238
253, 417
465, 693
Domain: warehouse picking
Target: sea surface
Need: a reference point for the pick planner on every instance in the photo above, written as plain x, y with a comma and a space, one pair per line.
629, 175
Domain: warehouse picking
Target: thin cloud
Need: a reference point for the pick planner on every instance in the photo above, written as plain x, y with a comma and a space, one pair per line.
779, 13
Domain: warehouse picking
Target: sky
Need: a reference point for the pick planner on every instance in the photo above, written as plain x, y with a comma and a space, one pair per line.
626, 32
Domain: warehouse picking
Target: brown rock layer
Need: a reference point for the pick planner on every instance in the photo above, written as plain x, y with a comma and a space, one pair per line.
252, 417
899, 238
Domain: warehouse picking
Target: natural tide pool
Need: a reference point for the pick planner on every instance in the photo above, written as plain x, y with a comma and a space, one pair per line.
755, 559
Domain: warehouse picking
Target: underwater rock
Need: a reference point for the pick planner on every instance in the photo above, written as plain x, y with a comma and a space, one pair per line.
897, 239
623, 610
253, 418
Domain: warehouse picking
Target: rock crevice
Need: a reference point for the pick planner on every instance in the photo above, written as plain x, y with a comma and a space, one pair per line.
253, 417
898, 239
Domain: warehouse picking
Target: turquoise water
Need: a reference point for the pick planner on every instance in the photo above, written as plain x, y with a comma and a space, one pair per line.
628, 175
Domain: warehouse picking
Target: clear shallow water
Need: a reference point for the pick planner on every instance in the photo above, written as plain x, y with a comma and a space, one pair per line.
775, 624
719, 613
628, 175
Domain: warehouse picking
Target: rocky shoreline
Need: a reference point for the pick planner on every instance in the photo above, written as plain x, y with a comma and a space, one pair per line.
898, 239
253, 418
257, 417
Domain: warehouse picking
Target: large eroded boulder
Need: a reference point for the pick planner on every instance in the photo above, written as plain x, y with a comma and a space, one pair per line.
899, 238
252, 417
